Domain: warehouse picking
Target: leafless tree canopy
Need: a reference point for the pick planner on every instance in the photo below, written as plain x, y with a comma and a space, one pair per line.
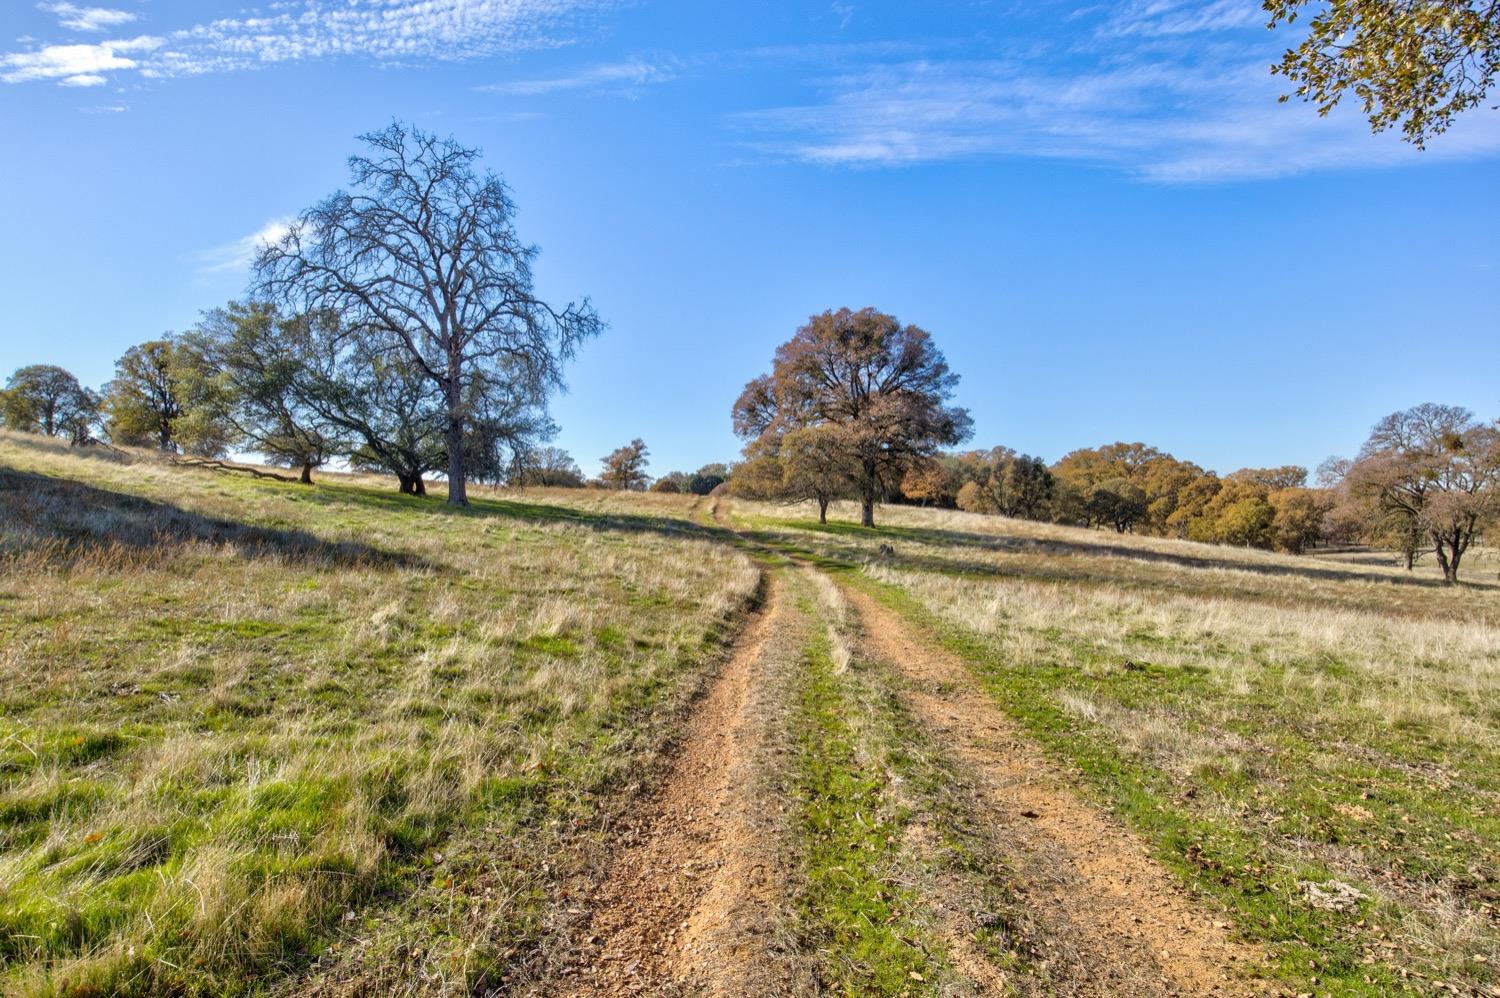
421, 255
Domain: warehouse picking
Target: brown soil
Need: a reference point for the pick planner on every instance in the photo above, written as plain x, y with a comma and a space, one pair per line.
687, 902
1117, 923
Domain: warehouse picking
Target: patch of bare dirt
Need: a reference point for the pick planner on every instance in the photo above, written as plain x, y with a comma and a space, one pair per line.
1117, 923
689, 901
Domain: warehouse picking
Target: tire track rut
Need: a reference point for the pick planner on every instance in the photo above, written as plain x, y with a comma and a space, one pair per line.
1117, 922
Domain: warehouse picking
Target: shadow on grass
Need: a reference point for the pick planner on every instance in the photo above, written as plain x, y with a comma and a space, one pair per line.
1027, 545
68, 520
480, 508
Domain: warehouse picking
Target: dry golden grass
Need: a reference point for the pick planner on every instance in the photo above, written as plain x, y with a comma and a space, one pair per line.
234, 710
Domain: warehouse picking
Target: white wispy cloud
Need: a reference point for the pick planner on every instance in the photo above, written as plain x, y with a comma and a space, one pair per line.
239, 254
1181, 17
382, 31
76, 18
1163, 90
74, 62
612, 77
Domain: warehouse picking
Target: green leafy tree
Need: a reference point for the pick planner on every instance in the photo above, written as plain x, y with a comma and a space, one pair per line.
672, 481
1413, 63
152, 399
44, 398
253, 371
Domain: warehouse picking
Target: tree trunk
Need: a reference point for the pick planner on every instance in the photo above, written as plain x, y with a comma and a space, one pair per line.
411, 485
458, 494
867, 511
822, 509
306, 477
1411, 557
1450, 550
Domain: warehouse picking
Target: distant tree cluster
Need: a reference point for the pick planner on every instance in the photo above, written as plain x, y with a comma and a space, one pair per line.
394, 326
1428, 479
1130, 487
698, 483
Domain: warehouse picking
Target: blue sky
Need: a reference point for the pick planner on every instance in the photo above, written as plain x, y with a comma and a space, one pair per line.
1101, 212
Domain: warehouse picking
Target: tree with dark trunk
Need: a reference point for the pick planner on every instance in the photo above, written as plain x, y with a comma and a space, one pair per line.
44, 398
371, 397
253, 359
422, 255
625, 467
880, 389
147, 399
1433, 471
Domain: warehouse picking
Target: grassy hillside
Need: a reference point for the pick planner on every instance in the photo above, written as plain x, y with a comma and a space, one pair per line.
262, 737
243, 722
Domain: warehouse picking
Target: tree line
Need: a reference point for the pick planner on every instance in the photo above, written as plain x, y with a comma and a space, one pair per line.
395, 326
856, 406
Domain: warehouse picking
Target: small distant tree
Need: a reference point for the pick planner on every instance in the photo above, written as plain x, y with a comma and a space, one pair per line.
880, 389
672, 481
927, 483
1431, 470
808, 464
550, 467
148, 399
44, 398
975, 498
1119, 503
1022, 486
625, 467
707, 478
1299, 517
422, 256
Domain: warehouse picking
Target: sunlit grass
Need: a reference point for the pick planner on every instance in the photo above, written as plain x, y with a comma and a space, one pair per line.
1266, 720
235, 710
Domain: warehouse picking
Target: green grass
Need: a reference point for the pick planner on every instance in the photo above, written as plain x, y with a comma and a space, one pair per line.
1259, 740
853, 911
896, 864
240, 715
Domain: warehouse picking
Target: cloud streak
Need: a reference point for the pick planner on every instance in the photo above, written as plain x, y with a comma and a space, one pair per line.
1164, 90
69, 64
621, 77
239, 254
92, 19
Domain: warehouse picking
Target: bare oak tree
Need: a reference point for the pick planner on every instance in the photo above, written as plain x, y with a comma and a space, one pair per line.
1431, 470
422, 255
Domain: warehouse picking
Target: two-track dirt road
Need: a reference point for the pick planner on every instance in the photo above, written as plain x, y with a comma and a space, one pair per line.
694, 897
